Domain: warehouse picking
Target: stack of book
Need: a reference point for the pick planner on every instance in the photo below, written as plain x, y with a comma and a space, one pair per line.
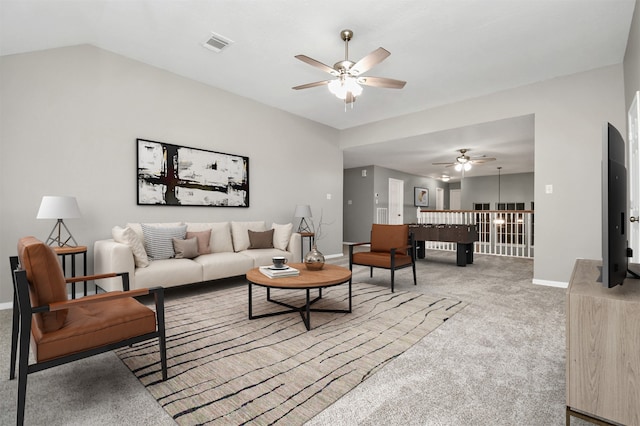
272, 272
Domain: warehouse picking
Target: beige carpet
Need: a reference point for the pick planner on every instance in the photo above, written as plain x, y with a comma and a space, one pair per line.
226, 369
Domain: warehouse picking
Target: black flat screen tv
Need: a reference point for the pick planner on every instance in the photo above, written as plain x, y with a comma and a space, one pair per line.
615, 251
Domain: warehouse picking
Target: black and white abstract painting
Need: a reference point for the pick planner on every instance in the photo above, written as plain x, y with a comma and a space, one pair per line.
181, 176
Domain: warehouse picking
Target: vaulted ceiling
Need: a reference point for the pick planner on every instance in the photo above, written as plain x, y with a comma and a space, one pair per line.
446, 50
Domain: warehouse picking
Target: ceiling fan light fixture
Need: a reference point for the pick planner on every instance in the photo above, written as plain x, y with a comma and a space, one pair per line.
337, 88
340, 87
463, 166
353, 86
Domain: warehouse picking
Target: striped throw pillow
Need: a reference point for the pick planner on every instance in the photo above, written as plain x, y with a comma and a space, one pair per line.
158, 241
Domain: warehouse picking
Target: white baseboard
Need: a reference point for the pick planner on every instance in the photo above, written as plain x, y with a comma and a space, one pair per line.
559, 284
333, 256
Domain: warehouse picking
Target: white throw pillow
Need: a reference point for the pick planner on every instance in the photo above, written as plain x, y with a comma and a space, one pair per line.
129, 237
282, 235
240, 233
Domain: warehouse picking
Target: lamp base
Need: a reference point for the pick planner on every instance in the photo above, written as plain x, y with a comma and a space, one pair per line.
304, 226
57, 229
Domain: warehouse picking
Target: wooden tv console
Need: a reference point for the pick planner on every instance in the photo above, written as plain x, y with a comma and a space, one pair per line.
603, 348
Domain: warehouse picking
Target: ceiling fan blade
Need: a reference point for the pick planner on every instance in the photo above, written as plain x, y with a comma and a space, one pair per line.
369, 61
482, 160
442, 164
308, 85
317, 64
389, 83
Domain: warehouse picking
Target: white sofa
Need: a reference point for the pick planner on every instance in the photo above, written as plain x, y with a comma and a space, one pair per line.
230, 255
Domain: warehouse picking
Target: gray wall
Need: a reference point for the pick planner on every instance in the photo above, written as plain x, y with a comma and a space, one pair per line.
69, 123
569, 114
361, 213
359, 204
518, 188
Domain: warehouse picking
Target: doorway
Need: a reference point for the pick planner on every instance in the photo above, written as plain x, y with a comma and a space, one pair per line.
396, 201
634, 178
454, 199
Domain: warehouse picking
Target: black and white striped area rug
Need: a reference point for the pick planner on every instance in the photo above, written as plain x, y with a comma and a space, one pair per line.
227, 369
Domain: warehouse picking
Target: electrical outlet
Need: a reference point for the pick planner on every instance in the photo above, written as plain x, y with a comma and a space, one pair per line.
548, 189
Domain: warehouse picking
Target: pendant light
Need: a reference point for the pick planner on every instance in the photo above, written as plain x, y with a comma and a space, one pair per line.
499, 220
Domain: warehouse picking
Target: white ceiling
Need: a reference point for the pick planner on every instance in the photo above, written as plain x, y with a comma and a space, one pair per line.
446, 50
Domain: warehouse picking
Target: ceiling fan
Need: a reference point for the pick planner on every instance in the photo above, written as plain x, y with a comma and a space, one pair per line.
349, 78
463, 162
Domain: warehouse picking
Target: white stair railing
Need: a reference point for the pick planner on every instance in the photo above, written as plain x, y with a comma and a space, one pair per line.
500, 232
382, 216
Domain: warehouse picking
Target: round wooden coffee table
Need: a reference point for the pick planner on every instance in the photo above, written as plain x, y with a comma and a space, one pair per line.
330, 275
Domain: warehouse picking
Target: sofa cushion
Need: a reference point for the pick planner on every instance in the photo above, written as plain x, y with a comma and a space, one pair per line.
204, 240
46, 279
185, 249
220, 235
221, 241
158, 241
240, 233
260, 240
224, 265
129, 237
263, 257
169, 273
282, 235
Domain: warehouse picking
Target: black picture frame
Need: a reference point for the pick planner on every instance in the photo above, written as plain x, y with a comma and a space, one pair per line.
420, 196
175, 175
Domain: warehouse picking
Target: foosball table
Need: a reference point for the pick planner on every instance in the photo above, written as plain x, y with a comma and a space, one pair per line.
463, 235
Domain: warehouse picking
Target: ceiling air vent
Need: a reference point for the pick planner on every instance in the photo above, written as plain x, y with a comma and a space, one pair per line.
217, 43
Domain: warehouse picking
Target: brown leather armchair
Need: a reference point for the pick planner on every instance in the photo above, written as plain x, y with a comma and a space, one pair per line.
392, 247
65, 330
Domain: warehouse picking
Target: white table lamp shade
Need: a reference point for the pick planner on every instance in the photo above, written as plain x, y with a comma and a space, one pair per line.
303, 210
58, 207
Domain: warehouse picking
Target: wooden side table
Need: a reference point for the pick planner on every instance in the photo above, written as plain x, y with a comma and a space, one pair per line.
63, 252
312, 239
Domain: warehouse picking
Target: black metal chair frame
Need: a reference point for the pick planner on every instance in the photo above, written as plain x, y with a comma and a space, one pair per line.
410, 250
21, 328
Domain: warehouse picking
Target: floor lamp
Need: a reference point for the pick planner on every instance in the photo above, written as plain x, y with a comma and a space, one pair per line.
59, 207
